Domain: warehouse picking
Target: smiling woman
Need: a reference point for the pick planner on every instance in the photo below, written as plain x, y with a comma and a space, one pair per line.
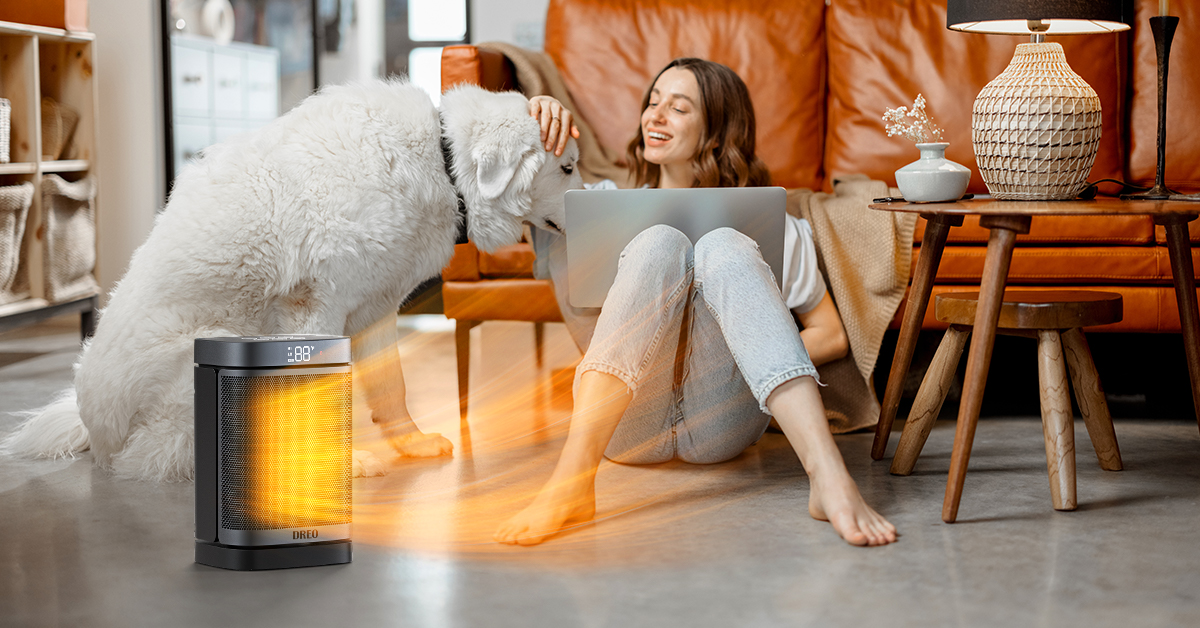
695, 347
694, 131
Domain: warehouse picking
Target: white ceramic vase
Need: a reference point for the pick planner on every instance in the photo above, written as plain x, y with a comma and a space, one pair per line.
933, 178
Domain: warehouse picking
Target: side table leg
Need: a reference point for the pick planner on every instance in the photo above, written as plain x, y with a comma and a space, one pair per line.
914, 313
1004, 230
1183, 273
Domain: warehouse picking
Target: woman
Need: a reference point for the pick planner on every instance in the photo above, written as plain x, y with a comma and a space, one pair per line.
695, 348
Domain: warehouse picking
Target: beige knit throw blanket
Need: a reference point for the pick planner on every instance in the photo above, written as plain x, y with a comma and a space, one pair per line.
865, 254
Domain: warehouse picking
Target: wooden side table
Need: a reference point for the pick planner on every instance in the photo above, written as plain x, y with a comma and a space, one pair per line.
1006, 219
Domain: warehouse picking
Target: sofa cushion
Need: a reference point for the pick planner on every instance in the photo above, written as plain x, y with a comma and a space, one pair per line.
1091, 230
609, 50
1058, 265
883, 52
515, 260
501, 299
1183, 95
1160, 232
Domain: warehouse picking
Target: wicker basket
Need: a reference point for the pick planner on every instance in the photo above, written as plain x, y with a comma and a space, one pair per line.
1036, 127
58, 129
69, 220
14, 208
5, 130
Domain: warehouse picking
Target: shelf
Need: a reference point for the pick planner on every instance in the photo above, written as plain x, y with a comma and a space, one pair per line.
18, 168
20, 307
37, 62
65, 165
29, 311
45, 32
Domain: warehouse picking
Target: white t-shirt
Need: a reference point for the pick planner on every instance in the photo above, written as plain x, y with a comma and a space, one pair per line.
803, 286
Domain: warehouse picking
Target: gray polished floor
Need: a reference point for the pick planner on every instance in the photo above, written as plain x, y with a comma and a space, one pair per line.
674, 545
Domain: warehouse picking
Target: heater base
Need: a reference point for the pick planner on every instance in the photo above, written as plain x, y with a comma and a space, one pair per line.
285, 557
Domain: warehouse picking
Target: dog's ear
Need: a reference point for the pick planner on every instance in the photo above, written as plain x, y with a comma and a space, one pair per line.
495, 169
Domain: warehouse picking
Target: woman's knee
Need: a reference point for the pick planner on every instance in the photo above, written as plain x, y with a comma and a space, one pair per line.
659, 246
658, 240
724, 246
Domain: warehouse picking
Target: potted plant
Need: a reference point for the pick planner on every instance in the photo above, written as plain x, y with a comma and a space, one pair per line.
932, 178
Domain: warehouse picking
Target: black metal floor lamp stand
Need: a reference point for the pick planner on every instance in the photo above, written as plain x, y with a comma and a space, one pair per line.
1163, 28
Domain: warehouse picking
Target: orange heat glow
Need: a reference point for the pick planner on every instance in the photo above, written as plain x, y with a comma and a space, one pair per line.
298, 452
504, 455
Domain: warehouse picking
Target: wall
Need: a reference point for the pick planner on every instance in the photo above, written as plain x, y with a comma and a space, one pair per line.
130, 139
521, 22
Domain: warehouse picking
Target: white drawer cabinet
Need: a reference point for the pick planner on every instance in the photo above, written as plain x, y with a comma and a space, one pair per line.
229, 84
262, 85
219, 91
191, 79
191, 136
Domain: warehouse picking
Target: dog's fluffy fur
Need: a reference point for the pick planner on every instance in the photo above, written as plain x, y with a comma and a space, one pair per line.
321, 222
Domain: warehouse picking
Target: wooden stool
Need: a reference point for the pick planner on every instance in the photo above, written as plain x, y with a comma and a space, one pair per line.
1054, 318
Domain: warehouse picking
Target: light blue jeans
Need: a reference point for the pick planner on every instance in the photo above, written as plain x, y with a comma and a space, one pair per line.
702, 337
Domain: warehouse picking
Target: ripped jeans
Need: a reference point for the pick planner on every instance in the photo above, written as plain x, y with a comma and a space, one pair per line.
702, 338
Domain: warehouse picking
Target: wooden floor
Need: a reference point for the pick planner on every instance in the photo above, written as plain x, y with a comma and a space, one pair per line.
510, 396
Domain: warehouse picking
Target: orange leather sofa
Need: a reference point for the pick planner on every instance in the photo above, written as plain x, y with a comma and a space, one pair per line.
821, 75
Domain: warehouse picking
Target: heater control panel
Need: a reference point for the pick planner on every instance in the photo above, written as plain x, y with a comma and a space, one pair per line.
272, 351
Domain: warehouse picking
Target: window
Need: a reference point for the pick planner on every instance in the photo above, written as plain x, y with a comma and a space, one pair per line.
416, 32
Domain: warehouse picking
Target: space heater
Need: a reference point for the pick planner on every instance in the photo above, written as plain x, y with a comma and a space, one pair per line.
273, 451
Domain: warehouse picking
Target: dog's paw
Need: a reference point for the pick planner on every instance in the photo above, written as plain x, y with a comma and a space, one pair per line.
421, 445
367, 464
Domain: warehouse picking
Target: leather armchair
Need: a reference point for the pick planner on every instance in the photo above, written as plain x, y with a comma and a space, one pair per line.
478, 286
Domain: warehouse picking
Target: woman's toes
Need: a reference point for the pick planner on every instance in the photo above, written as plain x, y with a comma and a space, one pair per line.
855, 535
885, 532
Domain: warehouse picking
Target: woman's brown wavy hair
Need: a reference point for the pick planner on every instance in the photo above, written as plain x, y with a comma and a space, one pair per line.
725, 155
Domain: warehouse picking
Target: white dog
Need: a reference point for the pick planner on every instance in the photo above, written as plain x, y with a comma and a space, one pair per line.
321, 223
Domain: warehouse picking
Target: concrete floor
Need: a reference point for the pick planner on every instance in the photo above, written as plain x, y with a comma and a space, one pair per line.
674, 545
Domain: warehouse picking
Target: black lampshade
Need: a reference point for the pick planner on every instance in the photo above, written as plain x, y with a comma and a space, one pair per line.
1065, 17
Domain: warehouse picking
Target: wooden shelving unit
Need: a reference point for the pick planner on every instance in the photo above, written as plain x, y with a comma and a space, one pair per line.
38, 62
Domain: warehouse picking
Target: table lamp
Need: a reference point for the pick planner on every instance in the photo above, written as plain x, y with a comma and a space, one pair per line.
1036, 127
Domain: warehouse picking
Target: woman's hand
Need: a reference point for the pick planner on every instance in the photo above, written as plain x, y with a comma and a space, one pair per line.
555, 119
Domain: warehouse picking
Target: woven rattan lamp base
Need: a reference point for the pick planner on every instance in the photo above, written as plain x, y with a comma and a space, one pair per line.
1036, 127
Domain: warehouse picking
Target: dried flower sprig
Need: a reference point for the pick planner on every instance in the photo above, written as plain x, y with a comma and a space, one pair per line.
919, 129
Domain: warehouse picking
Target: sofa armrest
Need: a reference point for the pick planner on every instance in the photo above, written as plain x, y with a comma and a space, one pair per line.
489, 70
485, 68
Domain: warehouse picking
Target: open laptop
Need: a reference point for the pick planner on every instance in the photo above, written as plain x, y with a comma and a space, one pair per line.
600, 223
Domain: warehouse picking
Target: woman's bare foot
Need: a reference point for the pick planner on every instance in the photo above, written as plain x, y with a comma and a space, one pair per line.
561, 503
569, 497
836, 499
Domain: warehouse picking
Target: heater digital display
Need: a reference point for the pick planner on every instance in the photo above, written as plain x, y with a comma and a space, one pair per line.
300, 353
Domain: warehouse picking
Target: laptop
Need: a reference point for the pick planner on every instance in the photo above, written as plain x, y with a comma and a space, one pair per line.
600, 223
